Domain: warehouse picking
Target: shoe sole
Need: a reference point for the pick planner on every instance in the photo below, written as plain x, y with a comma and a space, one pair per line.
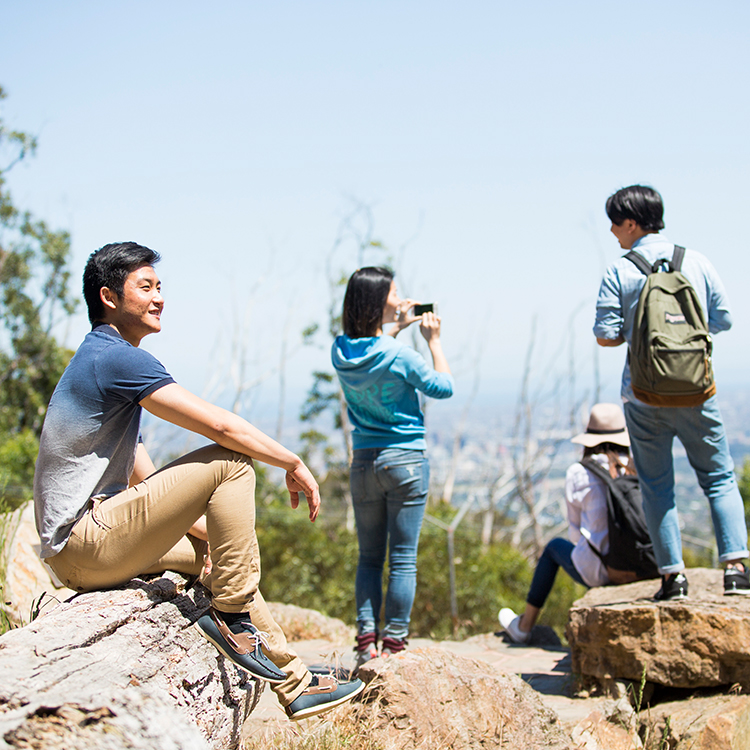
321, 708
736, 592
678, 598
222, 651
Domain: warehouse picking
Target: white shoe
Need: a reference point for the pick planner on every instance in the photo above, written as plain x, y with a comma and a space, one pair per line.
511, 624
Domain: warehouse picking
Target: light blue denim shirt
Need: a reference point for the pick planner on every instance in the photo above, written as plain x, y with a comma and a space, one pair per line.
622, 283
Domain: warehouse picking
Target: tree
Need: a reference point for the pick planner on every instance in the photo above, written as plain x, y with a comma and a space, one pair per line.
743, 480
34, 299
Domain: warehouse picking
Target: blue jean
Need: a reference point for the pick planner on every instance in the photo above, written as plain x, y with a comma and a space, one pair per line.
557, 554
389, 493
701, 432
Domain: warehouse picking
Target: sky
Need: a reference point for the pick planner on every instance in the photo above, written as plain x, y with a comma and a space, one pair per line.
255, 144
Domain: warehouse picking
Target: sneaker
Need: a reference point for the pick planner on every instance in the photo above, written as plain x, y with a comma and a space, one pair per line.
511, 624
321, 695
241, 645
366, 648
736, 581
674, 586
392, 645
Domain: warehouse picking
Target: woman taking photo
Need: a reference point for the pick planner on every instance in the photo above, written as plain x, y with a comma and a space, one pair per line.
389, 479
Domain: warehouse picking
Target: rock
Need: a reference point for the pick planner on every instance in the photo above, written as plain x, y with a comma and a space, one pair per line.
596, 732
87, 653
613, 725
301, 624
618, 632
720, 722
131, 719
29, 584
431, 698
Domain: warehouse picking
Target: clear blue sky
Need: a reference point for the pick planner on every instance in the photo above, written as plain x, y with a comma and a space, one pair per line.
485, 137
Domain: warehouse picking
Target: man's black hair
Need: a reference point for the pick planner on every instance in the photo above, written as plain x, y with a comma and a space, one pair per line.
109, 266
364, 302
641, 204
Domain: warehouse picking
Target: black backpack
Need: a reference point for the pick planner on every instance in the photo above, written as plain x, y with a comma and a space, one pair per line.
670, 349
630, 547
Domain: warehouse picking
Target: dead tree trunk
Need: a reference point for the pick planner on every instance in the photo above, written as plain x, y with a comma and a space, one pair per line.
122, 668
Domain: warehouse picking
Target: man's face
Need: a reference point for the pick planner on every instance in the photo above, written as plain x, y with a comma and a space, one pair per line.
140, 306
625, 233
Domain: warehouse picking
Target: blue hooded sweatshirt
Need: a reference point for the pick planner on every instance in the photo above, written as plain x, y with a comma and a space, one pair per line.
380, 378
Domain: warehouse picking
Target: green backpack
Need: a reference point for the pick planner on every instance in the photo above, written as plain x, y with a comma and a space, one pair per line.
670, 351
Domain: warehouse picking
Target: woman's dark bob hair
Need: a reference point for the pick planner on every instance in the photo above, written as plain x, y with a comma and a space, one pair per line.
364, 302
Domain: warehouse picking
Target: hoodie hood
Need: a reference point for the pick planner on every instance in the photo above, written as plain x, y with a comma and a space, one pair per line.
361, 362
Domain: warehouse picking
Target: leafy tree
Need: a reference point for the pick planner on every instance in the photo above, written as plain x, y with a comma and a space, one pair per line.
34, 298
743, 480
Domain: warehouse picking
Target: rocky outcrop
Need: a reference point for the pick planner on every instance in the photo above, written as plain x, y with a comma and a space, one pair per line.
618, 632
29, 585
431, 698
721, 722
106, 652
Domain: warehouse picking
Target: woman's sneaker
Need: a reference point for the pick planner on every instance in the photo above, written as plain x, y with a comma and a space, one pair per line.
736, 581
366, 648
392, 645
511, 624
321, 695
241, 643
673, 587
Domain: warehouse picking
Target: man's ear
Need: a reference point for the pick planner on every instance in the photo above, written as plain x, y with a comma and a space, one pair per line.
108, 298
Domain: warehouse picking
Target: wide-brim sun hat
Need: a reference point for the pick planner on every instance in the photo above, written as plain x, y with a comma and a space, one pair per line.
606, 425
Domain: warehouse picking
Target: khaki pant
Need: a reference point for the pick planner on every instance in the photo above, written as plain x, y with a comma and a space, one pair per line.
143, 530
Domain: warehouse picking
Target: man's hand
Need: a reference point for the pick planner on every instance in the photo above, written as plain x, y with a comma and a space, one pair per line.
299, 480
611, 342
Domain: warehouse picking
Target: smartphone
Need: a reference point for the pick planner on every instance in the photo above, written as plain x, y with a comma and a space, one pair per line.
422, 309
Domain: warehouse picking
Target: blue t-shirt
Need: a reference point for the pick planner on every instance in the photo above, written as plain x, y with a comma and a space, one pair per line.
91, 431
380, 378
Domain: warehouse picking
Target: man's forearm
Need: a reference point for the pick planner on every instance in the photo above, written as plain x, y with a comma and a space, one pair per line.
178, 406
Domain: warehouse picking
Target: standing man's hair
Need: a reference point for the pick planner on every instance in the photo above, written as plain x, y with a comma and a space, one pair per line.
364, 302
109, 266
641, 204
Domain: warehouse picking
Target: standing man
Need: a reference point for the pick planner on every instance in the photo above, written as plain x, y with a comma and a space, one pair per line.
103, 512
636, 214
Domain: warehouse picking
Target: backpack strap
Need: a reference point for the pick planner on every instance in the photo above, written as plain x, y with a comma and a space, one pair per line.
676, 262
600, 471
640, 262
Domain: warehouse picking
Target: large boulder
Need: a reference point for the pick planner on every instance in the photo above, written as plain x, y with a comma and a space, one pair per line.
429, 697
619, 632
107, 650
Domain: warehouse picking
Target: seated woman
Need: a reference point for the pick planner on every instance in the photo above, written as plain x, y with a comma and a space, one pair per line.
606, 441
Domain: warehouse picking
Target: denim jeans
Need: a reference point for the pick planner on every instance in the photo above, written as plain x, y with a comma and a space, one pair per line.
389, 493
701, 431
557, 554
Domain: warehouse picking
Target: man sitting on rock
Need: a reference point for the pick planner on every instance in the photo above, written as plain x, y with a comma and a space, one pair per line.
105, 515
636, 213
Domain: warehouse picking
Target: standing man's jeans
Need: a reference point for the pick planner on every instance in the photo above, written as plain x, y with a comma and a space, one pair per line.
701, 432
389, 493
557, 554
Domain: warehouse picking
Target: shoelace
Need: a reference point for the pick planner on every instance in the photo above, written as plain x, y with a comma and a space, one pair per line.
262, 636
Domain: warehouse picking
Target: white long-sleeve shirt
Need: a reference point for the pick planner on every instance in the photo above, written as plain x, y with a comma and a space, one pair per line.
586, 499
